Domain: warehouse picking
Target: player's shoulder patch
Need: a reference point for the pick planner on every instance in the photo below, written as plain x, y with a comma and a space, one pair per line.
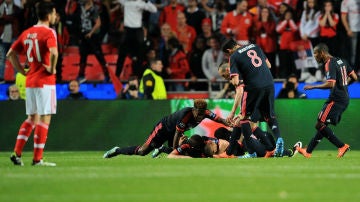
148, 83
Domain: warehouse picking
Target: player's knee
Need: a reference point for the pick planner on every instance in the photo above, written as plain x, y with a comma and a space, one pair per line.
319, 125
142, 151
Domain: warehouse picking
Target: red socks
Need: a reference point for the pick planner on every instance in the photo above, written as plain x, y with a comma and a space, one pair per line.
24, 132
40, 136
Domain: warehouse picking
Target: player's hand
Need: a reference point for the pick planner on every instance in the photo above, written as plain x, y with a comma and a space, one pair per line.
237, 119
182, 139
308, 87
229, 123
223, 155
230, 117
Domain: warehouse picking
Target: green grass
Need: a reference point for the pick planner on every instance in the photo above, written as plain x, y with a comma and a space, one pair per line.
86, 176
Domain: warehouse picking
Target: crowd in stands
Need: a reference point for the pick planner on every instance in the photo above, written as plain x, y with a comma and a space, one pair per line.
187, 34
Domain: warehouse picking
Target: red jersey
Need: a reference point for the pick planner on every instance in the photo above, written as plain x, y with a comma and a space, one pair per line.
179, 65
169, 15
186, 36
237, 24
266, 36
288, 33
327, 30
36, 42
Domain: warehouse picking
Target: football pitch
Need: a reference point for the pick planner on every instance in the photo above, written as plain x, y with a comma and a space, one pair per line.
86, 176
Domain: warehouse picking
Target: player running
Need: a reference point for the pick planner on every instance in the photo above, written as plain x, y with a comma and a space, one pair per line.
338, 76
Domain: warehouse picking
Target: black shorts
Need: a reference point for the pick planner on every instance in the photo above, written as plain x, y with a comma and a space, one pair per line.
159, 135
331, 112
258, 103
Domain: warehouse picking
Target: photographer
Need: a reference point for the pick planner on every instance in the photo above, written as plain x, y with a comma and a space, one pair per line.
290, 89
131, 89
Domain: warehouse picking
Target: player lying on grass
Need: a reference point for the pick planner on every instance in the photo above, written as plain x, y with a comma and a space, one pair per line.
192, 147
216, 148
213, 147
170, 129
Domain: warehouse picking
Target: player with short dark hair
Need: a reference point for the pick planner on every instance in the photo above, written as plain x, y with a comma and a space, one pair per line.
170, 129
338, 76
249, 72
192, 147
39, 43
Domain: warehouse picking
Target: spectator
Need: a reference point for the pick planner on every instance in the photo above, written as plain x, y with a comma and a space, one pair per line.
328, 21
185, 33
166, 34
104, 13
169, 14
287, 29
150, 55
20, 81
266, 37
256, 10
178, 65
211, 60
13, 93
309, 30
154, 28
238, 24
195, 62
89, 39
71, 20
276, 5
30, 18
63, 40
152, 85
206, 31
194, 16
290, 88
75, 94
133, 36
9, 30
350, 17
216, 12
131, 89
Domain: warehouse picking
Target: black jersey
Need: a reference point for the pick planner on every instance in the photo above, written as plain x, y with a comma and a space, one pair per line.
249, 62
184, 120
337, 71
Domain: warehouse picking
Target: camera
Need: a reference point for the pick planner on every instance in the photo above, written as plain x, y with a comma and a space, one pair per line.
132, 87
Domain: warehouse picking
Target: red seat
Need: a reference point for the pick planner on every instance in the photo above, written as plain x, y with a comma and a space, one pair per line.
71, 50
108, 49
9, 74
70, 67
111, 59
93, 71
